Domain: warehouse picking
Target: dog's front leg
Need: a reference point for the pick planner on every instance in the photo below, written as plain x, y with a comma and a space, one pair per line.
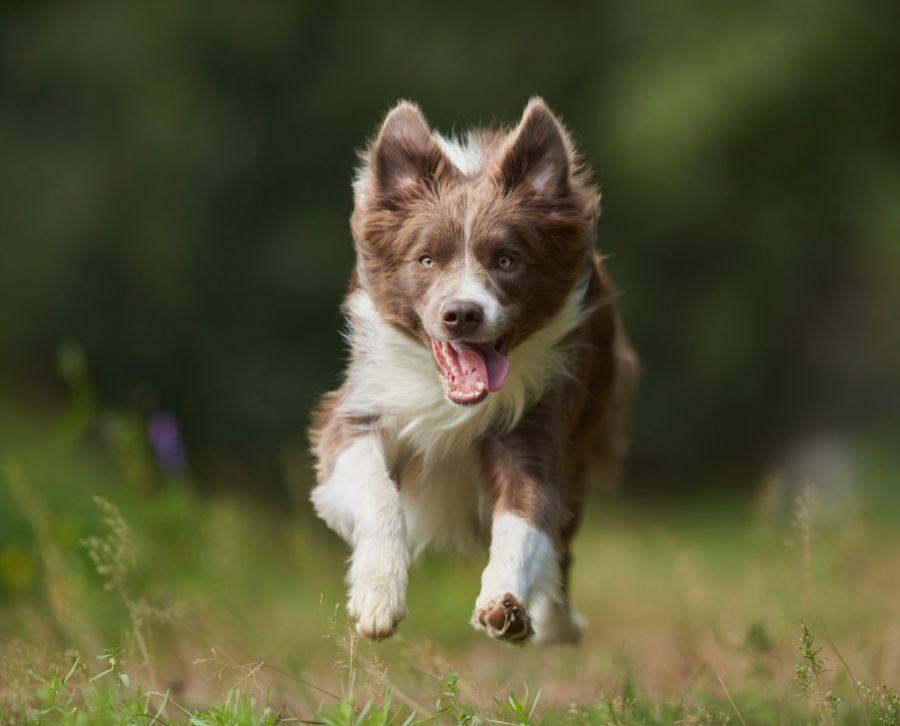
522, 560
523, 557
361, 502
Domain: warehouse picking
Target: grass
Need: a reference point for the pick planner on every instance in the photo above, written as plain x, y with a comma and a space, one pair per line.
127, 598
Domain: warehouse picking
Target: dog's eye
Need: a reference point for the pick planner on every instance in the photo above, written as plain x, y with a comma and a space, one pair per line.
504, 262
426, 261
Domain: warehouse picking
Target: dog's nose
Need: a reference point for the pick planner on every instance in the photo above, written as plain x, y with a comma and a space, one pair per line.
462, 317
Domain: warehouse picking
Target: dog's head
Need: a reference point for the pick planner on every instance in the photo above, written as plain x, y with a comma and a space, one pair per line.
471, 247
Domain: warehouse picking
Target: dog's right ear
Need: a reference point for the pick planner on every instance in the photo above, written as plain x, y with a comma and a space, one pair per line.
405, 157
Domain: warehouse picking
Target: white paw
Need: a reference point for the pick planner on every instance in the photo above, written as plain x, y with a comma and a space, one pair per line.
377, 599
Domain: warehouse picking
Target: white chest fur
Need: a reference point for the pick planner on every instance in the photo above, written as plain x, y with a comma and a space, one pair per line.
429, 442
443, 500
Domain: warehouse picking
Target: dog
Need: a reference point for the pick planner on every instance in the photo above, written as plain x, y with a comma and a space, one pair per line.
488, 370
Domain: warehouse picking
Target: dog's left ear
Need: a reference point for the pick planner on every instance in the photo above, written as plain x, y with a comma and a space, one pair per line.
537, 154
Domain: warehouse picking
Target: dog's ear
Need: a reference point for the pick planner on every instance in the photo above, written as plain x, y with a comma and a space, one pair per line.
405, 155
537, 154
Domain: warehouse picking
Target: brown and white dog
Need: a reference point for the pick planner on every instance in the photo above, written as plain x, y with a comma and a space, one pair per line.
488, 368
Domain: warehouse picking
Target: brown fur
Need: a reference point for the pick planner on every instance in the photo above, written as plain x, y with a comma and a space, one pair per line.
530, 199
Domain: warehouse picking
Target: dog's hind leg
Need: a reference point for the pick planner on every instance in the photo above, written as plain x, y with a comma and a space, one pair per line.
553, 618
360, 501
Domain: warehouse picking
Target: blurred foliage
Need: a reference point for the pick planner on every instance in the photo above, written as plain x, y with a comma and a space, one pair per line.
174, 196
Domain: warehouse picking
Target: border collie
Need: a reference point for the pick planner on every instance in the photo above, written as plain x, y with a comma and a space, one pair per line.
488, 370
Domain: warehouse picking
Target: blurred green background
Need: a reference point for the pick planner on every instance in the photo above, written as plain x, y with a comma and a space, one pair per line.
174, 195
174, 245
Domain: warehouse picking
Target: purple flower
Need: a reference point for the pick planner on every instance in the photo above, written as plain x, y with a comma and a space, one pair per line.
165, 438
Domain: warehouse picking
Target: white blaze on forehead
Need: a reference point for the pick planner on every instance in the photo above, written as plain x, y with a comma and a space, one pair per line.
467, 228
471, 287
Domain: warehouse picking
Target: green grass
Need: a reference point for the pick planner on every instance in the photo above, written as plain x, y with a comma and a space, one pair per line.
126, 598
71, 694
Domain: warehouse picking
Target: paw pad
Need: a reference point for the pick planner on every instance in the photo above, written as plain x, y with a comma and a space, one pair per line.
505, 618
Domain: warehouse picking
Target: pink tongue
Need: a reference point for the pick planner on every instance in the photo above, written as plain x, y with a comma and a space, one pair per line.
483, 363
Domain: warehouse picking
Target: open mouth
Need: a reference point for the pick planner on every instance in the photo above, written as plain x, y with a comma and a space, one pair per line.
471, 370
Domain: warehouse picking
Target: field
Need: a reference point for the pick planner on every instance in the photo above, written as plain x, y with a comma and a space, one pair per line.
126, 597
177, 182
